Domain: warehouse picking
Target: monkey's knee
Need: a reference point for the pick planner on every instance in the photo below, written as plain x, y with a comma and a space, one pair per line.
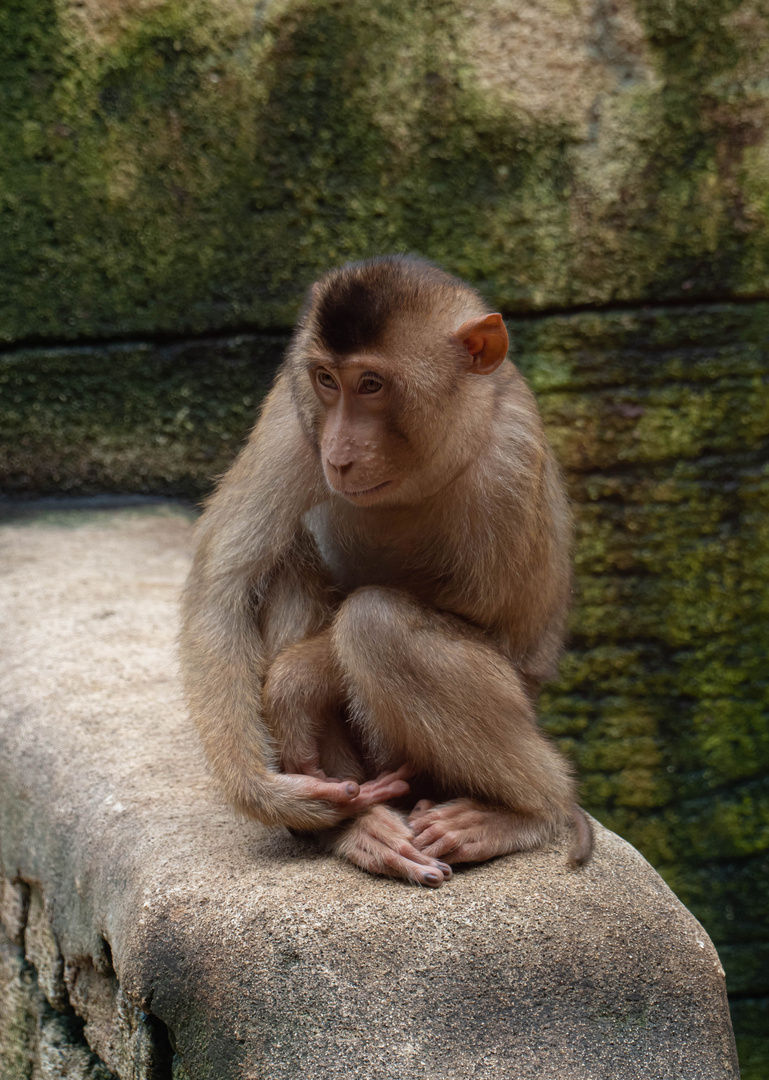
372, 621
288, 681
301, 684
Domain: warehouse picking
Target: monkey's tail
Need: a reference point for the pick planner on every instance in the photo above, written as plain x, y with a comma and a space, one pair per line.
584, 841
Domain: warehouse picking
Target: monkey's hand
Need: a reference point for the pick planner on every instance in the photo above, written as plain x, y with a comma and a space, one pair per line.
468, 831
345, 798
384, 788
381, 842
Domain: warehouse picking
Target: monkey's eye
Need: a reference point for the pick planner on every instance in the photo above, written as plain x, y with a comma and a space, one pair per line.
369, 384
326, 380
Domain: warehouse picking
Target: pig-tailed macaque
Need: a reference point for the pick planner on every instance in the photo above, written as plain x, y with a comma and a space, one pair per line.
381, 584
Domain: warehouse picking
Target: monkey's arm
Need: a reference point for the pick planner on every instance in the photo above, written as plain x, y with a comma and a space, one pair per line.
248, 529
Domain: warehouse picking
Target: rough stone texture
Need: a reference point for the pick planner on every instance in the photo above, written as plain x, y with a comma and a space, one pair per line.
246, 951
42, 951
37, 1043
14, 904
187, 166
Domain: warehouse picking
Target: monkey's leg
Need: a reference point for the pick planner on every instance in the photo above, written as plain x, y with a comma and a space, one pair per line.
427, 688
303, 701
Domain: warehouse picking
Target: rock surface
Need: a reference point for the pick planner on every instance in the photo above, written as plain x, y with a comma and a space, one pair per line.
195, 945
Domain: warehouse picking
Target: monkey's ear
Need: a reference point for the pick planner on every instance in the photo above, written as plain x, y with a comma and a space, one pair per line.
486, 343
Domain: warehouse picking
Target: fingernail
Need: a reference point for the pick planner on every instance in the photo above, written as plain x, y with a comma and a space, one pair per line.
432, 878
350, 789
444, 867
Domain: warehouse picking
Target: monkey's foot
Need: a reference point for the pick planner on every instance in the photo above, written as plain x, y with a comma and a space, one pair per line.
468, 831
381, 842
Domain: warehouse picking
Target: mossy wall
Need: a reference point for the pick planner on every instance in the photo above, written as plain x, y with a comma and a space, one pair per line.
661, 418
173, 175
187, 166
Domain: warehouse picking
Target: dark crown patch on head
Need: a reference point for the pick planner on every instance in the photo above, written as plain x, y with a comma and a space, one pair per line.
358, 301
352, 316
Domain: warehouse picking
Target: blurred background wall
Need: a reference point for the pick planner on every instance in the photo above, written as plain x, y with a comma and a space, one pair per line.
174, 173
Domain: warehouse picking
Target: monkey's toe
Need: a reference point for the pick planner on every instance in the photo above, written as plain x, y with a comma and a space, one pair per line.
381, 842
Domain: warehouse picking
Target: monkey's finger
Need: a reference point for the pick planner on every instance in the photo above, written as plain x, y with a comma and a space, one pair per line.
437, 841
382, 852
373, 794
393, 833
390, 782
468, 853
408, 851
340, 794
405, 772
425, 820
443, 848
422, 871
421, 808
452, 816
428, 875
393, 789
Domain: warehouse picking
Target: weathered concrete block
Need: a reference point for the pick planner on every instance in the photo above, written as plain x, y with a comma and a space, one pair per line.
218, 949
14, 901
37, 1043
42, 951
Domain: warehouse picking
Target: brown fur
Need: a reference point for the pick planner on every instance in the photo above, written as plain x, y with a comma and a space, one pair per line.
381, 584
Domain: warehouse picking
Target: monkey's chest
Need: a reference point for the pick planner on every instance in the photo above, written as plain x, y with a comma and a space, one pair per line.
353, 562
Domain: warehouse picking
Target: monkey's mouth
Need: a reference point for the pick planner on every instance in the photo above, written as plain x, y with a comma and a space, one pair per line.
364, 493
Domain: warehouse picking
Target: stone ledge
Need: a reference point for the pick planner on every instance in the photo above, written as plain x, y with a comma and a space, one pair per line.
181, 942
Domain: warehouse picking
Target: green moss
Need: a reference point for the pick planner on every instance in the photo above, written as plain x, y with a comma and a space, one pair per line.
131, 418
186, 167
676, 214
181, 168
663, 697
751, 1021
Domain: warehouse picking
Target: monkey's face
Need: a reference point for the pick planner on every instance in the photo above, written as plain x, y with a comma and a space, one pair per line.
395, 424
365, 452
383, 368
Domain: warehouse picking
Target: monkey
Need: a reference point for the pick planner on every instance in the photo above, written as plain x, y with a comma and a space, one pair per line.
380, 586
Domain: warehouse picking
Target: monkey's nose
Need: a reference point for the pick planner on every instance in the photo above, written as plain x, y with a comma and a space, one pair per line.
340, 467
